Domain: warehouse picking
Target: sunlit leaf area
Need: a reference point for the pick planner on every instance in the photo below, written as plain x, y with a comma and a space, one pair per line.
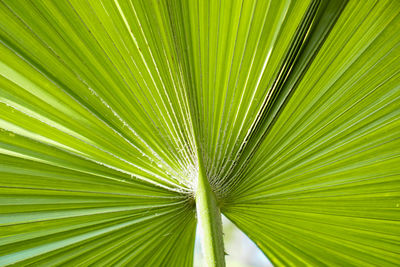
111, 111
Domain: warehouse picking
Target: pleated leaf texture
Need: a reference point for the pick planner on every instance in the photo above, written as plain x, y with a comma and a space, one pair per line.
294, 106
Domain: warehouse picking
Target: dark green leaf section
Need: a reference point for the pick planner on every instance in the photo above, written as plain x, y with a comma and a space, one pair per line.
316, 24
323, 187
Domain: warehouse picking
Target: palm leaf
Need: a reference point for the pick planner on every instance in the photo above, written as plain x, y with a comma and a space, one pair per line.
323, 187
118, 118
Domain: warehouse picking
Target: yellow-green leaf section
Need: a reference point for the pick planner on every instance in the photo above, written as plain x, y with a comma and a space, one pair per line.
112, 110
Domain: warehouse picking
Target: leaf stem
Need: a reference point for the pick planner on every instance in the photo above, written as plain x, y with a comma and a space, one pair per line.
209, 219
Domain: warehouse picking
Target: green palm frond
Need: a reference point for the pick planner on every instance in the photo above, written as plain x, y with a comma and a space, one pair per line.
125, 122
